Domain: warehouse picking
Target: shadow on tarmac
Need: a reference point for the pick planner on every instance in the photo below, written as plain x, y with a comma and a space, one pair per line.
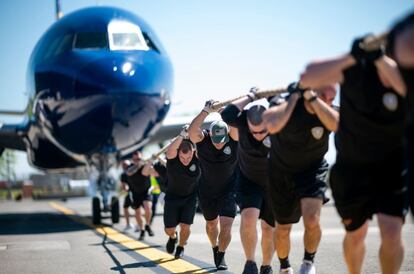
37, 223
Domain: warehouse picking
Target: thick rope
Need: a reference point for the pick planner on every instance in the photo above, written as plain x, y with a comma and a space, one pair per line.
374, 42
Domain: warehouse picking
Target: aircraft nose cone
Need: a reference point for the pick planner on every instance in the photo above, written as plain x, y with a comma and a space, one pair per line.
109, 75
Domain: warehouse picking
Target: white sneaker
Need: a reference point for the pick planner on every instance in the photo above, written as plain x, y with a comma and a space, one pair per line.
128, 227
288, 270
307, 267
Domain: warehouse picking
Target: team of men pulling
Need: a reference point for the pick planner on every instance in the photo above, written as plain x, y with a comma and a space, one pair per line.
269, 159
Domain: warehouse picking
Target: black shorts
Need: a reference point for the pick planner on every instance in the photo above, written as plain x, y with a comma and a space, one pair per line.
127, 201
137, 199
360, 191
252, 195
223, 206
179, 210
286, 189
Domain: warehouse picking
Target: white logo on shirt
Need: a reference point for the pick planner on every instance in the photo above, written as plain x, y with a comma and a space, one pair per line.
193, 168
390, 101
227, 150
317, 132
266, 142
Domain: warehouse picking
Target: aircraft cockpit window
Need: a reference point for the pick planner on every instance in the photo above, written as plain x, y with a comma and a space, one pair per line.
91, 40
125, 36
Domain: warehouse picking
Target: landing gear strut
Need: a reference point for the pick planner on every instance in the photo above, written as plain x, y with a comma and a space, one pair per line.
106, 185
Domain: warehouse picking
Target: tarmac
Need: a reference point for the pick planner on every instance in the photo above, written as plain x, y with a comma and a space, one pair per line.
58, 237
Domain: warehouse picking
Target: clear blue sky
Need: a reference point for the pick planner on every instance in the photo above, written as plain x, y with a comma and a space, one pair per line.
218, 48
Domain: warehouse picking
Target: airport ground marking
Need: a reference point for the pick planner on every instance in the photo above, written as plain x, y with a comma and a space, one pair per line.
159, 257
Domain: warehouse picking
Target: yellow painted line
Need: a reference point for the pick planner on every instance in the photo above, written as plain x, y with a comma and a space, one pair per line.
159, 257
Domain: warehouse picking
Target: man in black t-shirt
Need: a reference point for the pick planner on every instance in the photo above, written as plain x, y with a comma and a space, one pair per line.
183, 174
217, 152
253, 148
139, 189
299, 126
124, 186
401, 38
367, 177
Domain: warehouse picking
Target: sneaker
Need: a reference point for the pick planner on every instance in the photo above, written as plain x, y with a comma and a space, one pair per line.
142, 235
179, 252
266, 269
215, 250
307, 267
170, 246
149, 230
128, 227
221, 262
137, 229
250, 267
288, 270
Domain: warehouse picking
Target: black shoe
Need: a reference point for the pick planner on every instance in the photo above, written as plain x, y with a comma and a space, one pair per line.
179, 252
142, 235
266, 269
250, 267
215, 250
221, 263
149, 230
171, 244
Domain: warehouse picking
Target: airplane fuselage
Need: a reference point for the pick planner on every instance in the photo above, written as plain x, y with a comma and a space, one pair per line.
99, 83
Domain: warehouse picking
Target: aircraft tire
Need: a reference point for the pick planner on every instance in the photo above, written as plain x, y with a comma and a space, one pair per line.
96, 210
115, 210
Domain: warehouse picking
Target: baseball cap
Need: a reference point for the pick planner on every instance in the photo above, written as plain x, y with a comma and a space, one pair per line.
219, 132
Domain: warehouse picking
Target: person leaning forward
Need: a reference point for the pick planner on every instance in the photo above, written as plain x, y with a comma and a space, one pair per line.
299, 125
217, 152
252, 151
367, 177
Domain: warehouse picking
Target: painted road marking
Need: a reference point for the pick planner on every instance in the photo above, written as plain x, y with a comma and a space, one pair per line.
159, 257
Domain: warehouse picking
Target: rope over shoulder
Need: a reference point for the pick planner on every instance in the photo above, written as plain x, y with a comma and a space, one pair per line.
374, 42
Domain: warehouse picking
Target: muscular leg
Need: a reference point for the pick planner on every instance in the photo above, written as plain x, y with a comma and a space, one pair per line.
248, 231
267, 243
282, 239
225, 232
391, 252
147, 208
354, 248
184, 234
212, 231
170, 231
138, 217
311, 211
126, 215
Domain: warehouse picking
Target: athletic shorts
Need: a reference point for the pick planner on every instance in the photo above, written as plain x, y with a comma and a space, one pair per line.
286, 189
137, 199
127, 201
179, 210
252, 195
360, 190
223, 206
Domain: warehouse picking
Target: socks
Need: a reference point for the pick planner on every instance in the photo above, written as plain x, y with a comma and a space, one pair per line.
284, 263
309, 256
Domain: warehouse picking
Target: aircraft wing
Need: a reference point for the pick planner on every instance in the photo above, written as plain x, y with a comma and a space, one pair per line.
10, 138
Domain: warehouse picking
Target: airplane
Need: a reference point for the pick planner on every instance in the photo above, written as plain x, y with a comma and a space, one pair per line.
99, 84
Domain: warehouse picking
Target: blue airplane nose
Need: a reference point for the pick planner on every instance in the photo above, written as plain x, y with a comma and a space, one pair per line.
143, 73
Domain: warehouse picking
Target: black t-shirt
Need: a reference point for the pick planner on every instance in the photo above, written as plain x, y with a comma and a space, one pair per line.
123, 178
183, 180
217, 165
371, 123
139, 183
302, 143
408, 75
252, 154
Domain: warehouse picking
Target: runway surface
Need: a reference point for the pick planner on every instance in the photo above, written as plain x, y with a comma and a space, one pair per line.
58, 237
